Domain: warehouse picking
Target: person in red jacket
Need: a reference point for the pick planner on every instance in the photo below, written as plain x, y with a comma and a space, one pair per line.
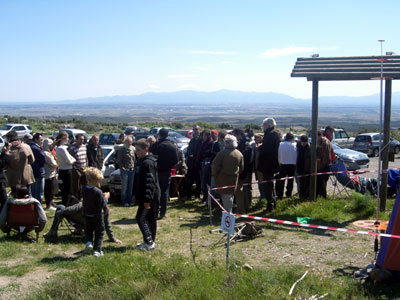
328, 133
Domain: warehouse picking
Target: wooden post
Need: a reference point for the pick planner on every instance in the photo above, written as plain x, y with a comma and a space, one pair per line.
314, 130
386, 141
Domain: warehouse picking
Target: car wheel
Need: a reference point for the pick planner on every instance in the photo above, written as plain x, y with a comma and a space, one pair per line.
375, 152
397, 149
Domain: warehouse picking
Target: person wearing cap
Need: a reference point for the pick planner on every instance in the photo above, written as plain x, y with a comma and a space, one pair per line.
37, 188
268, 162
20, 159
167, 157
28, 138
214, 135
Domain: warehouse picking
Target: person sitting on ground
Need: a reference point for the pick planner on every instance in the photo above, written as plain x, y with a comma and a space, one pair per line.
21, 197
146, 194
94, 203
73, 214
226, 167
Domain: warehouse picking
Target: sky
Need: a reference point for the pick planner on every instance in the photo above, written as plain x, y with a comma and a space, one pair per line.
56, 50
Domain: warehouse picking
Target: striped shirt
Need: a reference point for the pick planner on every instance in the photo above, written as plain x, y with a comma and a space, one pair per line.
79, 153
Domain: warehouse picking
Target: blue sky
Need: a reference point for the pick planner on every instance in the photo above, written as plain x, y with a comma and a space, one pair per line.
53, 50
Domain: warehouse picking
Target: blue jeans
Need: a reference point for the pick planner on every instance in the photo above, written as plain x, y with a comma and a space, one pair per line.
127, 185
37, 189
164, 179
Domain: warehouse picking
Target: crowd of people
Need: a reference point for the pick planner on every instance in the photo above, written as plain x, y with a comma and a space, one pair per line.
213, 159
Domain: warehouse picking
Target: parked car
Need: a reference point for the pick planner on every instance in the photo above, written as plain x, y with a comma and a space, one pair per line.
108, 164
186, 133
353, 160
114, 184
342, 139
72, 134
155, 130
369, 143
21, 129
108, 138
178, 138
133, 130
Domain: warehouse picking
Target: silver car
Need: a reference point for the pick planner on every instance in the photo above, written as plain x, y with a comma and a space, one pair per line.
353, 160
369, 143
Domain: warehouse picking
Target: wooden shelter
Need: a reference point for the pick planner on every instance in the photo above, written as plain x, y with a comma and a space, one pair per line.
317, 69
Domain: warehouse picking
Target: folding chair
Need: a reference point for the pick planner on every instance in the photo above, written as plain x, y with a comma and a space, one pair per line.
22, 218
341, 181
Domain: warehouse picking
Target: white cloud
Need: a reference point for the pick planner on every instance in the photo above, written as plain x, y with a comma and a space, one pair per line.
203, 68
226, 62
207, 52
152, 86
189, 86
273, 52
182, 76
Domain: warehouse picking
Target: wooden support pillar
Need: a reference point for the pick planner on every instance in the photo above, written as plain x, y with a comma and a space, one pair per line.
386, 141
314, 130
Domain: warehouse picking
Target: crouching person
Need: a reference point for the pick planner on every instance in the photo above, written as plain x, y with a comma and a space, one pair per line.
73, 214
94, 203
146, 193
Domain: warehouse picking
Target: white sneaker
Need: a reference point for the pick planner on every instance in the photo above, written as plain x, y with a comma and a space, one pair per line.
88, 247
147, 247
98, 254
140, 245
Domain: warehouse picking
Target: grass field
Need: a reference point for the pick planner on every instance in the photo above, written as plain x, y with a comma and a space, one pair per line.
188, 263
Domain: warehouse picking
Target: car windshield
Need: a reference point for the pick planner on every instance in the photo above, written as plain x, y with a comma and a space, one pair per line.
106, 151
176, 135
363, 138
5, 127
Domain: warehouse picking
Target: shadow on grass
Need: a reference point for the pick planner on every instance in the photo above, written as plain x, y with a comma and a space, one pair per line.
65, 239
59, 258
124, 221
118, 249
345, 271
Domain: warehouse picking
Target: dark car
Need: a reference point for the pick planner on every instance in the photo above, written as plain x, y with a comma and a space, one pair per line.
133, 130
108, 138
369, 143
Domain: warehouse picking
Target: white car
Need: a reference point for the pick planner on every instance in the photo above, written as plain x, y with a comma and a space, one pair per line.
2, 143
108, 164
21, 129
72, 134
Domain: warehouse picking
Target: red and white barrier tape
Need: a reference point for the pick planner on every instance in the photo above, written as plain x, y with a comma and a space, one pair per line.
291, 177
306, 225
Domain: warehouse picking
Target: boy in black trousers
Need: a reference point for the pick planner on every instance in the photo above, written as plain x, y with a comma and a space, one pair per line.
94, 203
146, 193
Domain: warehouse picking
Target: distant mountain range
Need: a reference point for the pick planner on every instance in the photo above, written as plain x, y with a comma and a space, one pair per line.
222, 97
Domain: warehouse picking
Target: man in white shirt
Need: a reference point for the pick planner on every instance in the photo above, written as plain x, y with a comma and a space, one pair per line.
287, 155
